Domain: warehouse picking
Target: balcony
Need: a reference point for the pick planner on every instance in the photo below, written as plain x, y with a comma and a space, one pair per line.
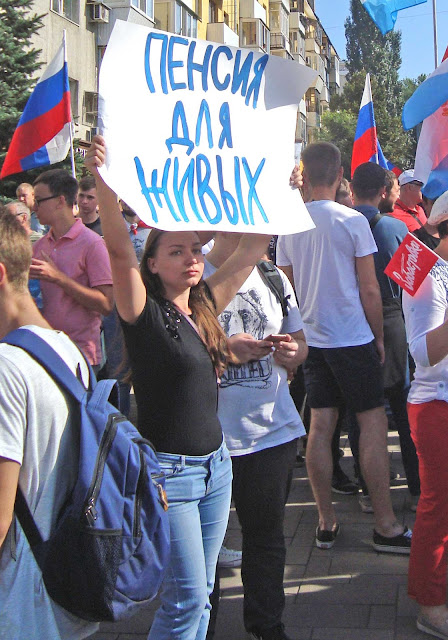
279, 42
252, 9
220, 32
254, 34
315, 62
313, 120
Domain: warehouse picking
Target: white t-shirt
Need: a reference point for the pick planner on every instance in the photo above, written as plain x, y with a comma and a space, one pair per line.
255, 407
427, 310
36, 431
323, 262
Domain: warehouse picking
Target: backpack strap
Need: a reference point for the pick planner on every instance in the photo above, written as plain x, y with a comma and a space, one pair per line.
270, 275
374, 221
48, 358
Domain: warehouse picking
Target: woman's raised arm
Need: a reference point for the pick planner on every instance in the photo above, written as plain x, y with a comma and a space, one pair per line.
129, 290
231, 275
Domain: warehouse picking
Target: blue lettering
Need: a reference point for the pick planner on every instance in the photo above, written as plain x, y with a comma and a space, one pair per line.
204, 110
226, 133
221, 86
254, 87
225, 195
164, 189
156, 36
145, 189
252, 195
173, 64
179, 117
241, 76
204, 189
197, 66
239, 191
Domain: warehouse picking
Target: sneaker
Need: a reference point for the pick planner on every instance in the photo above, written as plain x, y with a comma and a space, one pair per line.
300, 461
342, 484
396, 544
275, 633
229, 558
366, 504
325, 539
427, 627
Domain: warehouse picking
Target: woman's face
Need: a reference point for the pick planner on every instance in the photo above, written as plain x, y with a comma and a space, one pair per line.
178, 261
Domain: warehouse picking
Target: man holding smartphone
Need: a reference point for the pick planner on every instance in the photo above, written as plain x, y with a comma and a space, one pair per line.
261, 426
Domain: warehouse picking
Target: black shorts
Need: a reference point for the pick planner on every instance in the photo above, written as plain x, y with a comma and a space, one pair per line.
344, 375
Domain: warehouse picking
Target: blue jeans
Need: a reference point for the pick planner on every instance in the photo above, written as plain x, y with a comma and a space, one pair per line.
198, 490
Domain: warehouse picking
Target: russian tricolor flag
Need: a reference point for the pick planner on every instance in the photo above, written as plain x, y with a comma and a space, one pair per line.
366, 147
42, 136
431, 159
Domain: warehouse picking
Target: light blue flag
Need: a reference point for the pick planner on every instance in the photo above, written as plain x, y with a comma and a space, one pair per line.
384, 12
427, 98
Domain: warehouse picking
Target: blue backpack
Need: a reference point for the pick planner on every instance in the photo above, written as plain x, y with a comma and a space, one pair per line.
107, 554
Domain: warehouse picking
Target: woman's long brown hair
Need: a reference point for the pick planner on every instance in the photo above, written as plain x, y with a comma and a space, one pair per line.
202, 307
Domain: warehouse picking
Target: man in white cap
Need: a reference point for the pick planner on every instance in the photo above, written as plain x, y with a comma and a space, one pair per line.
408, 208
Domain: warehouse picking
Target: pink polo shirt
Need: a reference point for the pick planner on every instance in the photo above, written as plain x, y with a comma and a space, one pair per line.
82, 255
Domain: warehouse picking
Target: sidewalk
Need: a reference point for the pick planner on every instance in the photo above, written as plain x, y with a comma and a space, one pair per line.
347, 593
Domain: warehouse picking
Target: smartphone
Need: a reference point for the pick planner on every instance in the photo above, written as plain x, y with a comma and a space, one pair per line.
278, 337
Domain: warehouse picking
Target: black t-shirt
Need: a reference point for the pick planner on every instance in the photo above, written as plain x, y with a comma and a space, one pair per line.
427, 238
95, 226
174, 382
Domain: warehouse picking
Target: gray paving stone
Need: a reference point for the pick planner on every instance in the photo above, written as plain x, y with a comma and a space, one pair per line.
406, 629
352, 634
383, 616
369, 562
331, 616
103, 635
406, 606
327, 591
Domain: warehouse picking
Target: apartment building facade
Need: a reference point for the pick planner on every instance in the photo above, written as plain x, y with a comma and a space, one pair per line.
286, 28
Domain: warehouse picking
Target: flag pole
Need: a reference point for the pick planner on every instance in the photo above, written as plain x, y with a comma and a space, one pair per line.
72, 153
434, 19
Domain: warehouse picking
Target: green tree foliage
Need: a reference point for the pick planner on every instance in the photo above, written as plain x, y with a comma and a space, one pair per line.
18, 65
339, 127
368, 51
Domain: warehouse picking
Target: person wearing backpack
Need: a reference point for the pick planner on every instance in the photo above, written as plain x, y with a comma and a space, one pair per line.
38, 450
177, 349
261, 426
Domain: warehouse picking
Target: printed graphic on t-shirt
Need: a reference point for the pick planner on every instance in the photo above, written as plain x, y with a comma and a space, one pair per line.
245, 315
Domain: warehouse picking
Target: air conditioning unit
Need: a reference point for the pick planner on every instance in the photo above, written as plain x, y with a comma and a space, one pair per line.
99, 13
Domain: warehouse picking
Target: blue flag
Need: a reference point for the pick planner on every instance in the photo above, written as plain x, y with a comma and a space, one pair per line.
384, 12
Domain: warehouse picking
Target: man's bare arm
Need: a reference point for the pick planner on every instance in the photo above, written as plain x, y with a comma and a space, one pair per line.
9, 478
369, 291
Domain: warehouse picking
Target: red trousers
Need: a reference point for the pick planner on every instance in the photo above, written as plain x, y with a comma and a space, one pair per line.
428, 563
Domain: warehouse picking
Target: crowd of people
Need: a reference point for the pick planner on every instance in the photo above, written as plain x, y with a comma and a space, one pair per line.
323, 337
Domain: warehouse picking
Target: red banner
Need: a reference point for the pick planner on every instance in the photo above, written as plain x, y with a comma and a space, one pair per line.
411, 263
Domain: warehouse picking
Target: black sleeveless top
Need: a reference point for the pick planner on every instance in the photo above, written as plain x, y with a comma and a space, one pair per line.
174, 382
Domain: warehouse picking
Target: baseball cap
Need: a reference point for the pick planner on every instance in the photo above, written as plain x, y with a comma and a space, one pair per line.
408, 176
439, 211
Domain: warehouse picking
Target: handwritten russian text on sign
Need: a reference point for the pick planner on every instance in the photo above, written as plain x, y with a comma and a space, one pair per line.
201, 135
411, 263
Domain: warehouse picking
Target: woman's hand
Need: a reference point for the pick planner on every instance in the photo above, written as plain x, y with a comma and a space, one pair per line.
96, 155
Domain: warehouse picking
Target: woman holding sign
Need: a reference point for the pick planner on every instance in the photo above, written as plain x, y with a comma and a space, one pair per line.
177, 349
427, 326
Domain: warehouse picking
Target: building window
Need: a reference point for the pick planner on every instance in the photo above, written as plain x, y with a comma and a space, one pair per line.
90, 108
278, 18
254, 34
67, 8
212, 12
146, 6
74, 87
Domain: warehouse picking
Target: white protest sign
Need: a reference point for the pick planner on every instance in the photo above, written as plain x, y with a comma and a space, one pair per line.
201, 135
